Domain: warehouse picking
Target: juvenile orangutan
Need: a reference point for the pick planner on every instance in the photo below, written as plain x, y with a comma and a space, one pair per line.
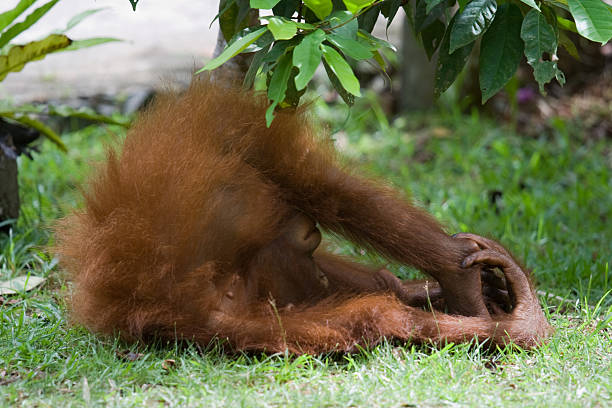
205, 225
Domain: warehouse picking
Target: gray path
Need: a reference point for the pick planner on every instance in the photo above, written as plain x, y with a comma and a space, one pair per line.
164, 41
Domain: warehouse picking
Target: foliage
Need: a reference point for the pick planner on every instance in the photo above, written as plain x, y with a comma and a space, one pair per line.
299, 35
14, 57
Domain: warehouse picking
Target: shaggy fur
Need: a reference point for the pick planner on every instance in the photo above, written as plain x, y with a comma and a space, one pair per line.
203, 226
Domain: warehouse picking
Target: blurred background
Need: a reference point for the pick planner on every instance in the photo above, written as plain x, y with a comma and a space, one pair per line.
163, 41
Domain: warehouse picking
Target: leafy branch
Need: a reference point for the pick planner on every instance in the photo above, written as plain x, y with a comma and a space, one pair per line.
336, 33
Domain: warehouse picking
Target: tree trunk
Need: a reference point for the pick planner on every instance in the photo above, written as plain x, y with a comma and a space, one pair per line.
9, 189
234, 70
417, 74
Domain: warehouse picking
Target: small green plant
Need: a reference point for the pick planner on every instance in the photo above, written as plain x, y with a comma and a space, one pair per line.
13, 57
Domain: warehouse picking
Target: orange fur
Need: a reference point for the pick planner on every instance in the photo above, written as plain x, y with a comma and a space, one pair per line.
202, 226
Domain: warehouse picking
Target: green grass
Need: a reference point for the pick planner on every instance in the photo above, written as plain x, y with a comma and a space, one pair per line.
554, 212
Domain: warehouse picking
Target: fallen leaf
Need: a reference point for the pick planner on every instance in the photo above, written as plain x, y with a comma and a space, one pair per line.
129, 355
86, 392
168, 364
20, 284
7, 378
8, 302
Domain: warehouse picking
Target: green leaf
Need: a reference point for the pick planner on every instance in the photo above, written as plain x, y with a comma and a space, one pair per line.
32, 18
355, 6
280, 77
292, 95
278, 84
501, 50
8, 17
538, 35
234, 49
279, 48
375, 43
432, 37
74, 21
562, 4
286, 8
531, 3
20, 55
380, 61
567, 24
256, 62
307, 56
430, 4
233, 17
423, 19
344, 24
593, 19
270, 113
472, 22
20, 284
264, 4
228, 12
305, 26
449, 65
341, 69
347, 97
281, 28
321, 8
88, 42
243, 18
569, 45
35, 124
367, 20
264, 41
540, 40
66, 111
545, 72
350, 47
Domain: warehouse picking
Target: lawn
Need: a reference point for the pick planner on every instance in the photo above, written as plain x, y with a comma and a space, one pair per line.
547, 198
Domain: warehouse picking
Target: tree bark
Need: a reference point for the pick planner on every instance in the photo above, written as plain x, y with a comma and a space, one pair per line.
417, 74
234, 70
9, 189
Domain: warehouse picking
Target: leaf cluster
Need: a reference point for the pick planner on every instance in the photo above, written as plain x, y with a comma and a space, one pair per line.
295, 40
509, 30
13, 57
294, 37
